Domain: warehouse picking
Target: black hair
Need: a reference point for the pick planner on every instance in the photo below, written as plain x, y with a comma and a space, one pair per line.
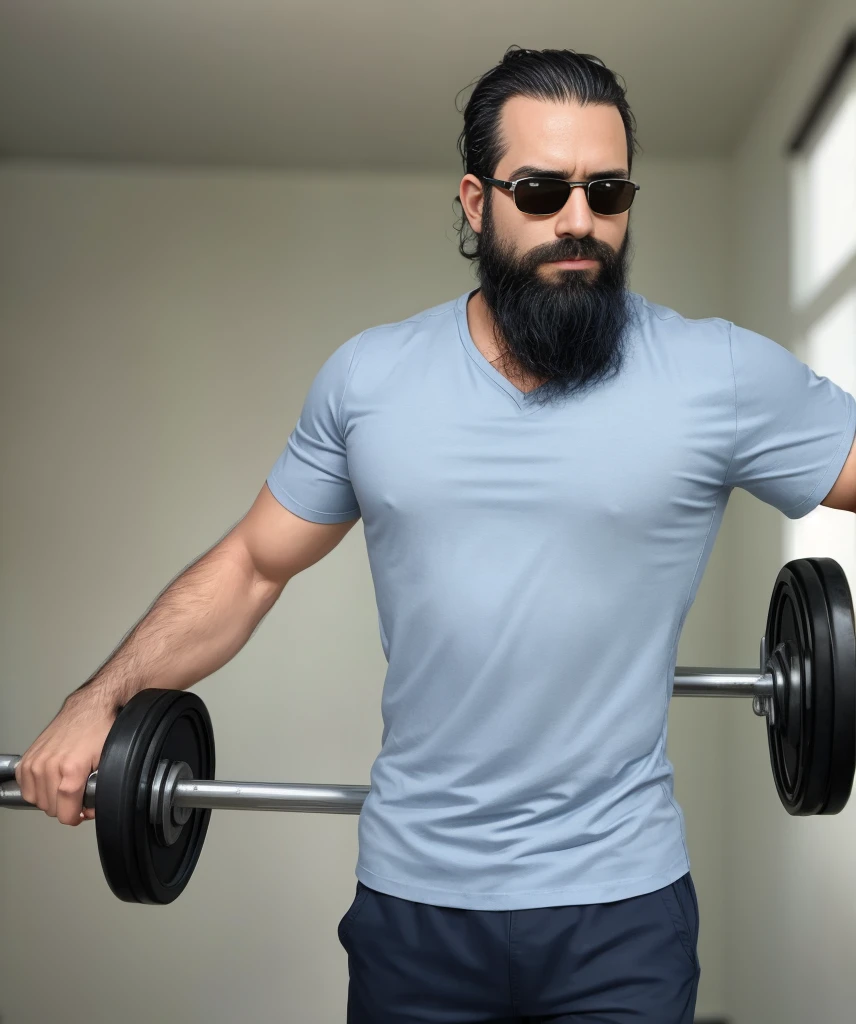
560, 75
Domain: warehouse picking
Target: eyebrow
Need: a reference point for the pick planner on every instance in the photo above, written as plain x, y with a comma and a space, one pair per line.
527, 170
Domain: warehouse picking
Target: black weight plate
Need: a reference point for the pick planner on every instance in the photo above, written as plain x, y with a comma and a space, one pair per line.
839, 607
153, 725
800, 764
810, 637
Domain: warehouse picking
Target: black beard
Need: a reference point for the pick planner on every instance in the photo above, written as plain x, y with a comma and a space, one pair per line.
568, 332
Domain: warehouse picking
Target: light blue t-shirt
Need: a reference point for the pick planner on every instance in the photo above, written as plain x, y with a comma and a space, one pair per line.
533, 567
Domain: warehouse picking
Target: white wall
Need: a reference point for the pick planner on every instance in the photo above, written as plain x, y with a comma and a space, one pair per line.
791, 909
159, 332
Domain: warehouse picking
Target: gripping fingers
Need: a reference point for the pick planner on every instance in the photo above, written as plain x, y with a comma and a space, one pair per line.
69, 794
48, 784
55, 788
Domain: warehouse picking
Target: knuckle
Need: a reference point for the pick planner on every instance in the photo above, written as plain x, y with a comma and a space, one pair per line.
69, 786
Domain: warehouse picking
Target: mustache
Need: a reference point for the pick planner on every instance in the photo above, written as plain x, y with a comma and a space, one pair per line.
568, 249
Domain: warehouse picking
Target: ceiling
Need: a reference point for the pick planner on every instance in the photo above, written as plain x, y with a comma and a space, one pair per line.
359, 84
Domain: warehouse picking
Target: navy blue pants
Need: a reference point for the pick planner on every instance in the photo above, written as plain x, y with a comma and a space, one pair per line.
633, 961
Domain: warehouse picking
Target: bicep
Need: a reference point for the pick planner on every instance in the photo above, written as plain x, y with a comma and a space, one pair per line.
280, 544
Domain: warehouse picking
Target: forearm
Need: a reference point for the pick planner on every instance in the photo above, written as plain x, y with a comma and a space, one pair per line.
196, 626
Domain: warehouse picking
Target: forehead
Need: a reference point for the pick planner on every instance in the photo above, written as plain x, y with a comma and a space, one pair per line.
566, 135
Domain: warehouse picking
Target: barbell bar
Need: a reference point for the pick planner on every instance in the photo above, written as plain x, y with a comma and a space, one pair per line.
212, 794
154, 789
216, 794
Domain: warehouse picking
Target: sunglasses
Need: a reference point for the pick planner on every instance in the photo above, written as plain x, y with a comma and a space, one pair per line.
542, 196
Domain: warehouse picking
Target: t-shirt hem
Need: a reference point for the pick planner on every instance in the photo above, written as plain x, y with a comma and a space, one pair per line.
574, 895
833, 470
310, 514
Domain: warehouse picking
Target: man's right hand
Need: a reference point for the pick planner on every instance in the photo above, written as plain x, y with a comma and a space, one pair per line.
53, 772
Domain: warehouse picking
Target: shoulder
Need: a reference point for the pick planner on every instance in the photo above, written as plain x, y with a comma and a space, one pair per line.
435, 318
382, 340
746, 348
378, 350
700, 346
665, 319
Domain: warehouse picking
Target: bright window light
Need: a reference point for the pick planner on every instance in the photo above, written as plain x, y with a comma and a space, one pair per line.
824, 200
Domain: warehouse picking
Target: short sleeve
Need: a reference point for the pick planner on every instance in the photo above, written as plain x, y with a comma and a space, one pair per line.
311, 478
793, 429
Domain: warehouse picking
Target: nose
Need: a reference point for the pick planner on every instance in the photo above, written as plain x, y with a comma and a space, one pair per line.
575, 218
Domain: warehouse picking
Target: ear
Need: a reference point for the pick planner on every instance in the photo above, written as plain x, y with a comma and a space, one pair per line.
471, 194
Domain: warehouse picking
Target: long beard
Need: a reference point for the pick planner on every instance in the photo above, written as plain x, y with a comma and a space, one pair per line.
568, 332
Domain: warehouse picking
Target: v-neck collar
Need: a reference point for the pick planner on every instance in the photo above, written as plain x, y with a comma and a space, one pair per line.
522, 399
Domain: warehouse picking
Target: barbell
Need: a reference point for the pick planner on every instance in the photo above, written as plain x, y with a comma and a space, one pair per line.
154, 789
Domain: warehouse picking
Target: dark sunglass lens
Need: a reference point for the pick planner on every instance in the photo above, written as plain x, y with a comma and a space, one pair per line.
611, 197
541, 195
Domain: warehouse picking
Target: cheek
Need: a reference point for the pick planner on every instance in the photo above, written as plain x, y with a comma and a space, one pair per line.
524, 233
506, 217
613, 234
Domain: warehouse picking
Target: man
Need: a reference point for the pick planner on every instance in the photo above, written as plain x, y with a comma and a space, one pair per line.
541, 467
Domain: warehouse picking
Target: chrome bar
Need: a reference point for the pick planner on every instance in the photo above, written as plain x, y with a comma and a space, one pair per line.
8, 764
711, 682
234, 796
10, 796
266, 796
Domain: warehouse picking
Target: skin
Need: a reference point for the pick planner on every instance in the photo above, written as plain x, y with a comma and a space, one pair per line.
843, 493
